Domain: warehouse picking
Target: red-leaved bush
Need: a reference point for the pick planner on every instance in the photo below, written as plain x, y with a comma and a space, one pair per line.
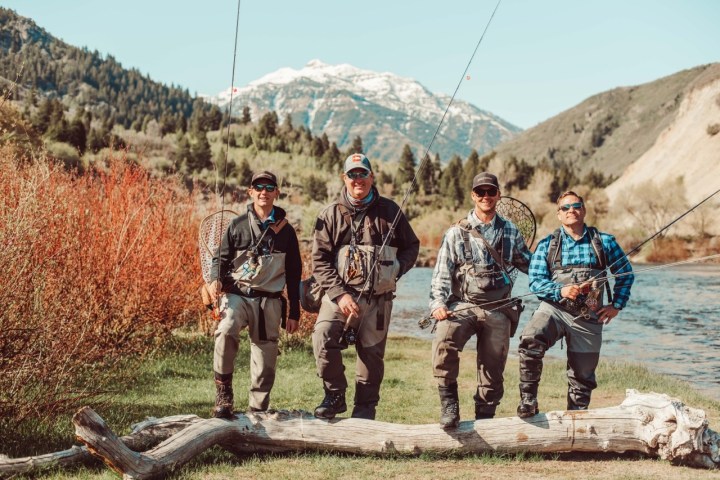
95, 268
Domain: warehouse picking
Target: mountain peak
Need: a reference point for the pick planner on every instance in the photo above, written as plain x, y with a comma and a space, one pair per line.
385, 109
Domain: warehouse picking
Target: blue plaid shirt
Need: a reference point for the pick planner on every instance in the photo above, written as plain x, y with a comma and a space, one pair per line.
580, 252
451, 255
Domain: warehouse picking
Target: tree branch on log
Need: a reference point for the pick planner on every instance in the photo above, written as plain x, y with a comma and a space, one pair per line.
653, 424
144, 436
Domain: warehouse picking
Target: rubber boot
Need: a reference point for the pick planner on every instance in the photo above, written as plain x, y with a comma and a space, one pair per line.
482, 411
528, 405
366, 399
332, 404
449, 406
223, 396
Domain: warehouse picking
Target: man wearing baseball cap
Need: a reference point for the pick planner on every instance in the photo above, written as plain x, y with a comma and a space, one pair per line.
258, 256
474, 268
359, 278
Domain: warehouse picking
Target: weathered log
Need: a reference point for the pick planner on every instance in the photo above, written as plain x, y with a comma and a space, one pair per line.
144, 436
653, 424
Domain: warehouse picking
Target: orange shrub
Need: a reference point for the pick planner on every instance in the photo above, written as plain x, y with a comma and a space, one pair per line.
95, 268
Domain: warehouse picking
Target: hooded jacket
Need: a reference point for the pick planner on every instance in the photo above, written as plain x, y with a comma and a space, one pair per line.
332, 232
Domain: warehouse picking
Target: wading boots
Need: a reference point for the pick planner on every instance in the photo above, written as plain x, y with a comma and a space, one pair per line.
449, 406
223, 396
332, 404
528, 405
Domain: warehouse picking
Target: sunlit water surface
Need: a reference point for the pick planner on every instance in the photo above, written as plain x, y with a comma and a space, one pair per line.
671, 324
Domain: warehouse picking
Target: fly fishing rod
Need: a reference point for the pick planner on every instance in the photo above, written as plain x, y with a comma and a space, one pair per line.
426, 321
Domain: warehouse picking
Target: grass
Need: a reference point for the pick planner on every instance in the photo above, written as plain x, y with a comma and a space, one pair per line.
178, 379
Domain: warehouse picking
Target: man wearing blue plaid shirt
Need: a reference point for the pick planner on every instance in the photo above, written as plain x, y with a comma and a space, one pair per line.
467, 275
568, 274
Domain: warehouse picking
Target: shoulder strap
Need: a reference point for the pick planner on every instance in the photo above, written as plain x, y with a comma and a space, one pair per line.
276, 227
493, 253
467, 248
596, 242
554, 258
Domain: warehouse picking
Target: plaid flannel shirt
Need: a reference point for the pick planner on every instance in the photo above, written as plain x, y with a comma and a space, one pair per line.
580, 252
451, 255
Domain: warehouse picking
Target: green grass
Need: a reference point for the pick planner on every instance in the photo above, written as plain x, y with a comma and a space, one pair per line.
179, 380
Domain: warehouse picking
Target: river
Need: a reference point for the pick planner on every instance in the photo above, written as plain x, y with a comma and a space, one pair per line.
671, 324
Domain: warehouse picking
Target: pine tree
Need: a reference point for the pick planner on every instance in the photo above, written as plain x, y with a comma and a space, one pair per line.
451, 185
183, 155
470, 169
245, 119
244, 173
357, 146
426, 176
201, 154
406, 169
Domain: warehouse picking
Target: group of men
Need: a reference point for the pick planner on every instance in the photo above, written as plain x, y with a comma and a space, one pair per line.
362, 245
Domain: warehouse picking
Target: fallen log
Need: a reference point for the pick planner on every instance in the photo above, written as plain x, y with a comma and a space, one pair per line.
653, 424
144, 436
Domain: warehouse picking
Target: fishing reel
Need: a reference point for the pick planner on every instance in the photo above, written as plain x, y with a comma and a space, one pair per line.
349, 336
425, 322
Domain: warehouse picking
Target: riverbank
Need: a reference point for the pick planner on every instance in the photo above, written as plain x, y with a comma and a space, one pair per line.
179, 380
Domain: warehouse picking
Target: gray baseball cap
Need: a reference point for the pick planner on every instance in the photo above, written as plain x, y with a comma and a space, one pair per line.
357, 160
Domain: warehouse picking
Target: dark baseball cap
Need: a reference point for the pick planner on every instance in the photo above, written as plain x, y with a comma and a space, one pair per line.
264, 175
357, 160
485, 179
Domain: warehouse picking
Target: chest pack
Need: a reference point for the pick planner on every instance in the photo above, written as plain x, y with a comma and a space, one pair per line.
593, 273
363, 264
355, 259
259, 267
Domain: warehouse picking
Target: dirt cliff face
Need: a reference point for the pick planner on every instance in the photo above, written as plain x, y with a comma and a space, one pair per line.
688, 147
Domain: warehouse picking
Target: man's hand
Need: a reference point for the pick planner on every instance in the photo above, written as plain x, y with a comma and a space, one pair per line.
441, 313
572, 291
214, 289
348, 306
607, 313
292, 325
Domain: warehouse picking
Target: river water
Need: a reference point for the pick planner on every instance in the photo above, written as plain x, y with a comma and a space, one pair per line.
671, 324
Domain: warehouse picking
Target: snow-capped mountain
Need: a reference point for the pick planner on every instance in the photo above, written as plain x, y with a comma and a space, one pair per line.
385, 110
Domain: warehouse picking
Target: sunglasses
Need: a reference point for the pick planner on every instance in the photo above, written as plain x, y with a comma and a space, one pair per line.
481, 192
356, 175
259, 187
568, 206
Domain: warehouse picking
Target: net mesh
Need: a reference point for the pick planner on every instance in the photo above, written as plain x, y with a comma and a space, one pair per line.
212, 229
519, 214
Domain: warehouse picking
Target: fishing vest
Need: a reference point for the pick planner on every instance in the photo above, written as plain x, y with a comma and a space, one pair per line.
577, 273
361, 262
479, 283
260, 268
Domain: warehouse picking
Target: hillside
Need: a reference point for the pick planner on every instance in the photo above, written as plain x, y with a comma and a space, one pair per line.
611, 130
43, 66
687, 148
386, 110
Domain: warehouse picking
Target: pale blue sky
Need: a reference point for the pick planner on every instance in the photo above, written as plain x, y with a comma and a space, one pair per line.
537, 59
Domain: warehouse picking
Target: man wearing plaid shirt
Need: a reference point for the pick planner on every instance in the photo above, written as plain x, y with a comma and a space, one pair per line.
467, 275
568, 274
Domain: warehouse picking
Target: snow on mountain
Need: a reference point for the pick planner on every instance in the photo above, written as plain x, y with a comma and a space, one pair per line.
385, 110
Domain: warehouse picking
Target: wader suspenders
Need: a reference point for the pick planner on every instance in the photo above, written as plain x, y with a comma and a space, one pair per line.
554, 258
497, 257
